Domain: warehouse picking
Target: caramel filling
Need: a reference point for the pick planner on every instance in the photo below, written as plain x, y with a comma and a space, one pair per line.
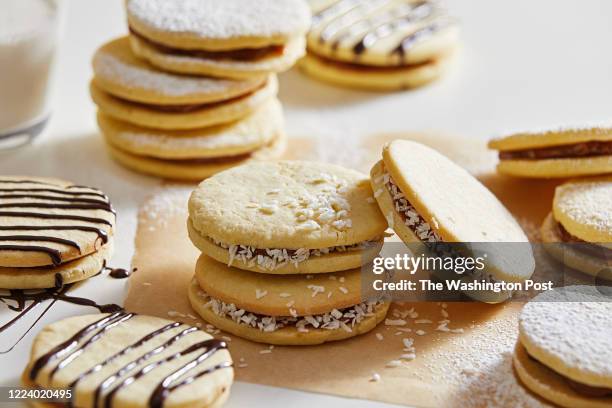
356, 66
589, 248
583, 149
242, 54
580, 388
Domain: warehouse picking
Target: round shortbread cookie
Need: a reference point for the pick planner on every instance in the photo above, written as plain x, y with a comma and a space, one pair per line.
45, 277
46, 222
195, 170
556, 168
305, 262
381, 32
211, 25
279, 295
237, 138
222, 68
569, 330
570, 254
376, 79
288, 335
548, 384
171, 364
554, 137
197, 117
118, 72
287, 204
584, 208
430, 183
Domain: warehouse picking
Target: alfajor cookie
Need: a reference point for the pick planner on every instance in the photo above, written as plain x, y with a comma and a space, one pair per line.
283, 309
582, 221
180, 117
429, 199
564, 352
287, 217
234, 38
198, 153
565, 152
379, 45
128, 360
52, 232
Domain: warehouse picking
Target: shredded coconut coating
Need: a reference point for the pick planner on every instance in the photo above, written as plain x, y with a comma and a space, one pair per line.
572, 325
275, 258
345, 319
227, 19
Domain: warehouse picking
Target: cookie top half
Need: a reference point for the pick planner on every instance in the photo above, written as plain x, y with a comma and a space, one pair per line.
287, 204
381, 33
551, 137
171, 364
219, 25
584, 208
570, 330
46, 222
120, 73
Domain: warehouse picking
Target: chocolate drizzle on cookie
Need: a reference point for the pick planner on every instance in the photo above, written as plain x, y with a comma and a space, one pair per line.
363, 24
137, 368
18, 200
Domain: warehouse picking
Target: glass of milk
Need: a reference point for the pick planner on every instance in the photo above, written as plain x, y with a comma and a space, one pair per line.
28, 40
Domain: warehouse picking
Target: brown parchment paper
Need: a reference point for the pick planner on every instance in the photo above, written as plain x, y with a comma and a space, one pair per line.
459, 368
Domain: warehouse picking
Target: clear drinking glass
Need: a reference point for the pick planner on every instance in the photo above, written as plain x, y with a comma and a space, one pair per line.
29, 31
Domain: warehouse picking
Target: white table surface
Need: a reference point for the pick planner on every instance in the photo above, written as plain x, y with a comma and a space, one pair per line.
524, 64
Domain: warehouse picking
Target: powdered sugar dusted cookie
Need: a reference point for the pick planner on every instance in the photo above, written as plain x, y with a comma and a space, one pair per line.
380, 45
48, 222
118, 72
233, 38
581, 221
190, 116
128, 360
283, 309
565, 346
429, 199
564, 152
289, 214
242, 137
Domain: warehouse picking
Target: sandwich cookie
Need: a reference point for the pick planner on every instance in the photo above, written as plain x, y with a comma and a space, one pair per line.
52, 232
582, 220
199, 153
128, 360
287, 217
565, 152
234, 38
283, 309
429, 199
565, 348
379, 45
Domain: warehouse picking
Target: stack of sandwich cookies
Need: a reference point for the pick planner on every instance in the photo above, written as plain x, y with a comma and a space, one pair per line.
429, 199
128, 360
52, 232
564, 349
234, 39
264, 226
379, 45
180, 126
582, 220
566, 152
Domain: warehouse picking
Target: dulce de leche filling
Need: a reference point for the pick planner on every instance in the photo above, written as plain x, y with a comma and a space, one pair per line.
242, 54
582, 389
589, 248
578, 150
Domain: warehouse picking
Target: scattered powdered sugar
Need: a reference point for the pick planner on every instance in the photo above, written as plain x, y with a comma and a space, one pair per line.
268, 259
114, 68
344, 319
588, 203
165, 204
